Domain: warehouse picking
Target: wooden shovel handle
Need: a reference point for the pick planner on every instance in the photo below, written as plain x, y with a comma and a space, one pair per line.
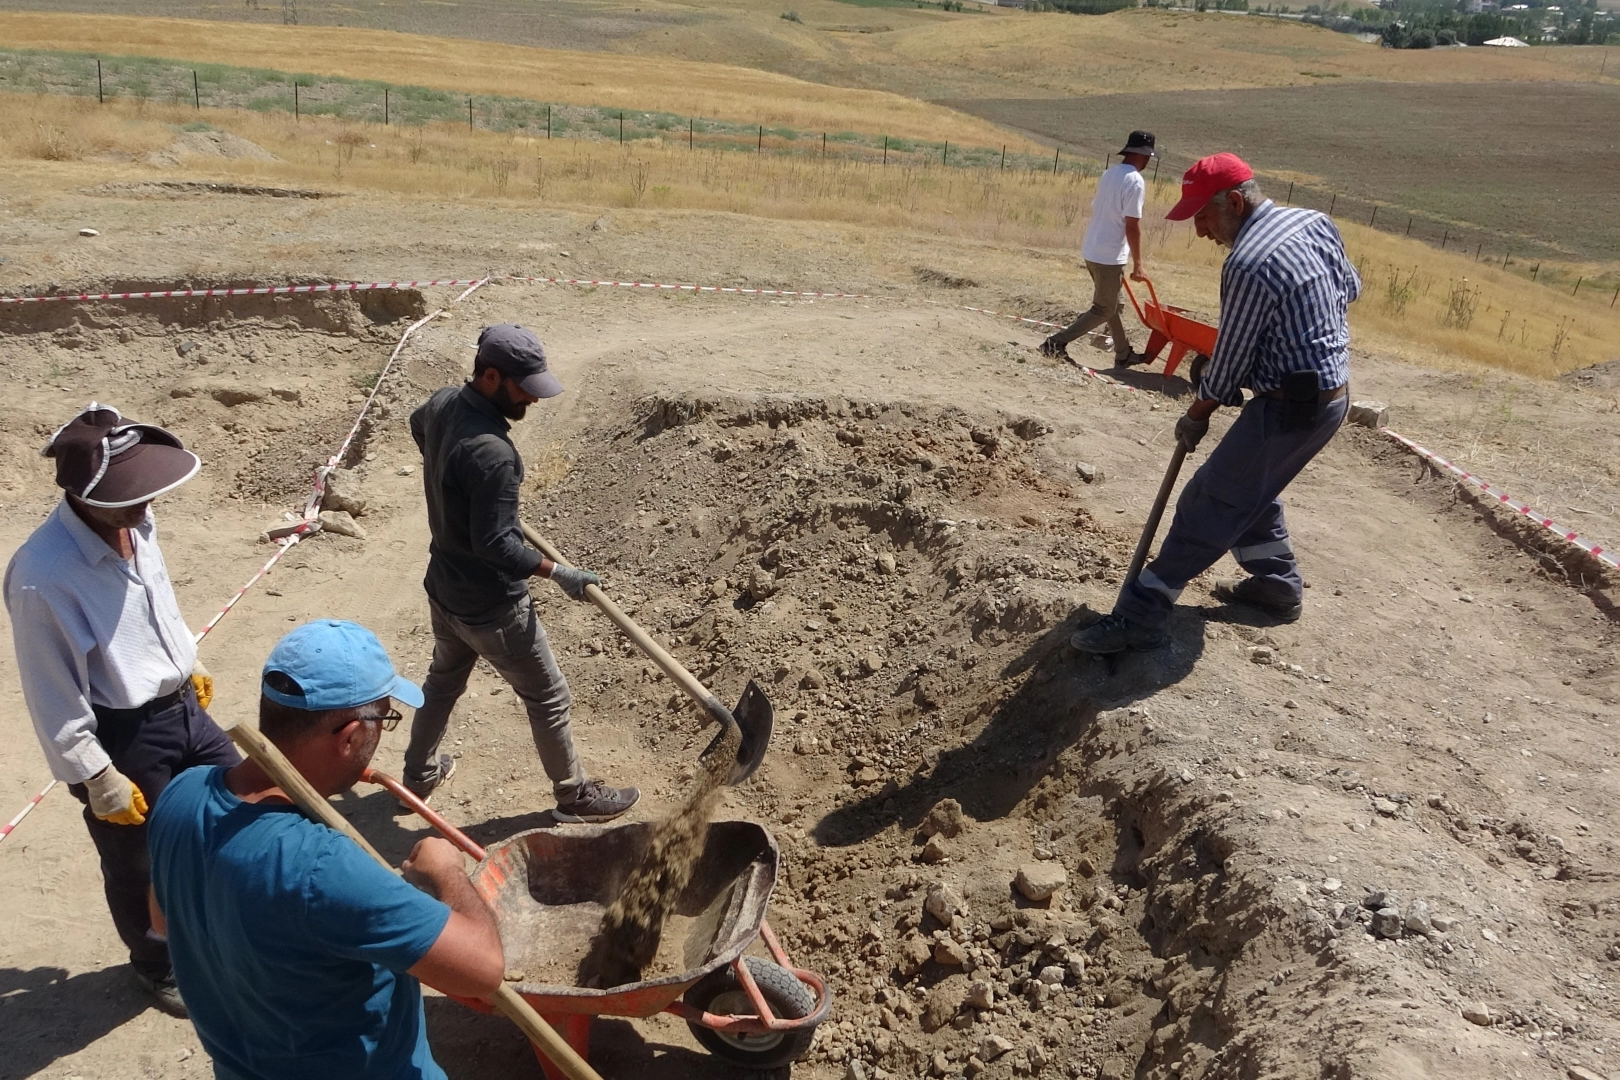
644, 641
507, 1000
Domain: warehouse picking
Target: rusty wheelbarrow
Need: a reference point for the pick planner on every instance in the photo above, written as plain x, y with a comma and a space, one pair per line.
549, 889
1168, 325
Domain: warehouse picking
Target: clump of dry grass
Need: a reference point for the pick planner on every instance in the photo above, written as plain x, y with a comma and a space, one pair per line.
1510, 323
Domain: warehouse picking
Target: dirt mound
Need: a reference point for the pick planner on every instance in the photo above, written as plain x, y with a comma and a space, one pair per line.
208, 144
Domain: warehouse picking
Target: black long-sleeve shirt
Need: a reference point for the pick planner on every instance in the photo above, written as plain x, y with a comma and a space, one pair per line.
471, 472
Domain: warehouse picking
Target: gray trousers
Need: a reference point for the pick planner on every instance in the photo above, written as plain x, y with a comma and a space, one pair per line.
514, 643
1231, 504
1106, 282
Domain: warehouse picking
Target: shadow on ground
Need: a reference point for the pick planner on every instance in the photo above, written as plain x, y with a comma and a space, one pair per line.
471, 1046
1050, 711
47, 1014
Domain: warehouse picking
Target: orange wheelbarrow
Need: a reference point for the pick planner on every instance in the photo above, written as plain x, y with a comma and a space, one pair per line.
549, 889
1169, 325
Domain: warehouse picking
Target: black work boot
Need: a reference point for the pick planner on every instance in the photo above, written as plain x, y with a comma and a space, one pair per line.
1116, 634
596, 802
1250, 593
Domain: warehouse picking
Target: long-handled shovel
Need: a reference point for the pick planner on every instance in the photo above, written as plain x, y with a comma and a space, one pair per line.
754, 714
291, 781
1154, 517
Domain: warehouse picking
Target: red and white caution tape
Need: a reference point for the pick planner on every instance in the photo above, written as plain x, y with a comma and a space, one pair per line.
673, 287
247, 290
1570, 536
25, 811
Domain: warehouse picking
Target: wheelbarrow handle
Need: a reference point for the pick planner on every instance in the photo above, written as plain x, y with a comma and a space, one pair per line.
1153, 295
643, 640
290, 780
422, 810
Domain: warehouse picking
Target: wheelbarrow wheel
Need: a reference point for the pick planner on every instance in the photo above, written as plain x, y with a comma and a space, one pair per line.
722, 993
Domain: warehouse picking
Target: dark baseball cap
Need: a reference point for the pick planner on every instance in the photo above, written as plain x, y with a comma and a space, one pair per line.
1140, 142
107, 462
516, 353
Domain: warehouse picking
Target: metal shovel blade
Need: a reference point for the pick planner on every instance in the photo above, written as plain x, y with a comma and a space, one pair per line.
755, 716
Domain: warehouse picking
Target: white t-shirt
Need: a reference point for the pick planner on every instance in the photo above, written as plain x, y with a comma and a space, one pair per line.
1120, 192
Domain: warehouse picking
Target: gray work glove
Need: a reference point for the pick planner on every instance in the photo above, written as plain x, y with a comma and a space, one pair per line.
572, 580
1189, 431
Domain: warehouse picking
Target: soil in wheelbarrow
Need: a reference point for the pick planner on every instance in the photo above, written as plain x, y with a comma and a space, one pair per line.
629, 942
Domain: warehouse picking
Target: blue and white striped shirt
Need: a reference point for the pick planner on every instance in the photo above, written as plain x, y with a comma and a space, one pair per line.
1285, 289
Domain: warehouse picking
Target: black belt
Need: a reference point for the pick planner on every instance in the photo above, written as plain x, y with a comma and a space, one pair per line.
140, 712
1324, 396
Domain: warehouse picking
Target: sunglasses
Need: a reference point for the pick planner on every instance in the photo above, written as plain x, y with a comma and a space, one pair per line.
389, 721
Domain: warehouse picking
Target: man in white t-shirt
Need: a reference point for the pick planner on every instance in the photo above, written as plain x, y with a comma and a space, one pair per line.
1113, 237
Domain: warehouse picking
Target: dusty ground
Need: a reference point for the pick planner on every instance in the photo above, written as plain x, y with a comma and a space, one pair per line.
1437, 728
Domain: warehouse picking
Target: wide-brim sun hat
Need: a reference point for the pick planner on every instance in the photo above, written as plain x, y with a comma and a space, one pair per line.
107, 462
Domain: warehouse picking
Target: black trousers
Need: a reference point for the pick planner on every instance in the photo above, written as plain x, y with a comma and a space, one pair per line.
151, 745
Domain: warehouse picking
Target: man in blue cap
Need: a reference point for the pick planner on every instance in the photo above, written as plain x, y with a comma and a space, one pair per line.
297, 953
479, 569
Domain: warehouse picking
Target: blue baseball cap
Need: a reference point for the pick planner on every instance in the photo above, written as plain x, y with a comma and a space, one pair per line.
337, 665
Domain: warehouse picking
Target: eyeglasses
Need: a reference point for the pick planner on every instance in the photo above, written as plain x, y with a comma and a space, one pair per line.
389, 721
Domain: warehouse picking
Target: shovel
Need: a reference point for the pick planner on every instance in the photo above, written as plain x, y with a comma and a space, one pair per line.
754, 714
1155, 515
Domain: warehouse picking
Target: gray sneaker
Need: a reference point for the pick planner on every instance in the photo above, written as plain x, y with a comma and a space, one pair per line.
443, 770
165, 992
596, 802
1116, 634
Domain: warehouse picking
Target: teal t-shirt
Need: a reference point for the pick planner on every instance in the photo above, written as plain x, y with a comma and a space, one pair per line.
290, 944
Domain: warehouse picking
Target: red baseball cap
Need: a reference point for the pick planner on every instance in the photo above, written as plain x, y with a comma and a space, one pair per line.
1207, 176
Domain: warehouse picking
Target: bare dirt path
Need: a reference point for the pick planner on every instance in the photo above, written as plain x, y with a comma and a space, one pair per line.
1437, 728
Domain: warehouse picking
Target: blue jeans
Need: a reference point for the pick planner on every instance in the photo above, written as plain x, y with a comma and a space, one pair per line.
1231, 504
513, 641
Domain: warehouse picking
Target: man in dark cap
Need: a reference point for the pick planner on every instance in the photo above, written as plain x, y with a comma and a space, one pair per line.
109, 669
479, 570
1113, 238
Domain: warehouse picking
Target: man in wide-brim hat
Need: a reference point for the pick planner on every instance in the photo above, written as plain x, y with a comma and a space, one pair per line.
108, 667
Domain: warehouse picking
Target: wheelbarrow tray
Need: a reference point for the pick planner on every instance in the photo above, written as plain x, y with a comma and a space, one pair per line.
549, 889
1167, 324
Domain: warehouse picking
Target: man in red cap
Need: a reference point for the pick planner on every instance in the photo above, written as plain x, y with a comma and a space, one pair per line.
109, 669
1285, 290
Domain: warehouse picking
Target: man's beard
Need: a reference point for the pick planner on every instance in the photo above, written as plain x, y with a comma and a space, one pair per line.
512, 410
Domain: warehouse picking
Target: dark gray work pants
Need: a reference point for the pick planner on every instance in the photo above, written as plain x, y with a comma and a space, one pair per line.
151, 745
513, 641
1231, 504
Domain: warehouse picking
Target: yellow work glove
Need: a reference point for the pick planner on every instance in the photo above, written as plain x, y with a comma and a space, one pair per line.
203, 683
114, 798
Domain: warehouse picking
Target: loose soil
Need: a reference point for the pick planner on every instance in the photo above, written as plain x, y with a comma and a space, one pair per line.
874, 510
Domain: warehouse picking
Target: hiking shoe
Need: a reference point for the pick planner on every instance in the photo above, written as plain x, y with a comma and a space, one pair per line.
1132, 359
1116, 634
1054, 348
596, 802
1247, 592
165, 992
442, 771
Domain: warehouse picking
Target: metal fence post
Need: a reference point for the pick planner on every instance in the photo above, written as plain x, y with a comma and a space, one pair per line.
295, 101
1408, 226
100, 98
1288, 200
1055, 154
196, 91
1003, 157
469, 113
1374, 217
944, 155
1334, 202
385, 106
621, 127
1445, 238
1577, 289
885, 149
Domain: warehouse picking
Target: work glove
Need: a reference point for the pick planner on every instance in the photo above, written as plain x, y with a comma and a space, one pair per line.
572, 580
203, 683
1189, 431
114, 798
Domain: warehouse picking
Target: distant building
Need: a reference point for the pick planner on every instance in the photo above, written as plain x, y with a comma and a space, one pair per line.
1508, 43
1010, 3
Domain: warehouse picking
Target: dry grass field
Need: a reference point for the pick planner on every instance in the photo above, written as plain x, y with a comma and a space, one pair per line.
1515, 166
919, 53
730, 93
1439, 309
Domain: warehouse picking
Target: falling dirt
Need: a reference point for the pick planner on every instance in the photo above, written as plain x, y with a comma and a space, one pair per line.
632, 927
